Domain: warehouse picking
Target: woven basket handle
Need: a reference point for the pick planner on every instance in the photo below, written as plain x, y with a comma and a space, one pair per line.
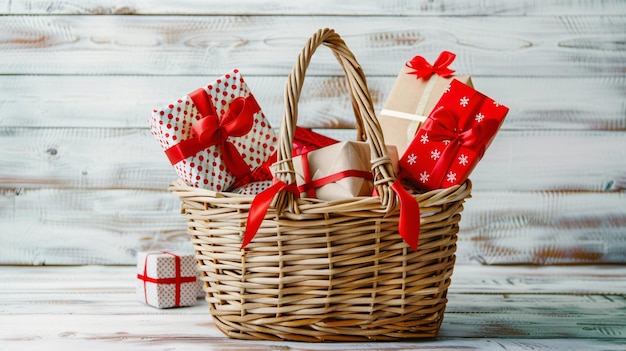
382, 168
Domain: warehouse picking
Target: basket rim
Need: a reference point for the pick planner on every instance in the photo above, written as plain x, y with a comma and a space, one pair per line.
183, 190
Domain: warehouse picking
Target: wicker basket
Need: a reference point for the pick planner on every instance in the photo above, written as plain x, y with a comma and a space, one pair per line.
319, 270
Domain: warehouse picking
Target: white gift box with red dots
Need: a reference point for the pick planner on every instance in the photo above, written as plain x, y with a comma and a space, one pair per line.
174, 123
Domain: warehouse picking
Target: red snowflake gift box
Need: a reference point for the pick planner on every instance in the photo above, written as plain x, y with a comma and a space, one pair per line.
453, 138
166, 279
216, 135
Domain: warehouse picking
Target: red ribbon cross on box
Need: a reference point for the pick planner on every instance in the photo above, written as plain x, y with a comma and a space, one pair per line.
178, 279
311, 184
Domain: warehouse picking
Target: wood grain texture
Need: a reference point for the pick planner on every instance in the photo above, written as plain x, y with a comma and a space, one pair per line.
267, 45
78, 80
73, 226
589, 103
131, 158
543, 228
489, 308
324, 7
85, 227
542, 248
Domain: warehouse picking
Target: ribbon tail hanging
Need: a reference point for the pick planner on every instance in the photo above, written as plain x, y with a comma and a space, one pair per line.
234, 161
258, 209
409, 222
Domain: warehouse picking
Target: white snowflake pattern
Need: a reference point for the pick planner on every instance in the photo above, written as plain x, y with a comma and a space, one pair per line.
464, 101
447, 89
451, 177
446, 142
463, 160
496, 103
479, 117
424, 177
412, 159
424, 138
435, 154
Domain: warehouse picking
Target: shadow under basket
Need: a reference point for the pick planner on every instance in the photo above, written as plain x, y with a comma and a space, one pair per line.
338, 271
325, 270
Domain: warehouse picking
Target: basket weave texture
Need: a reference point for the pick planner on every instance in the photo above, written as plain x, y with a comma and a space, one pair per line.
319, 270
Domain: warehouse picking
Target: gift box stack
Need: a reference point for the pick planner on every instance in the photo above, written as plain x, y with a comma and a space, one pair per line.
439, 122
435, 124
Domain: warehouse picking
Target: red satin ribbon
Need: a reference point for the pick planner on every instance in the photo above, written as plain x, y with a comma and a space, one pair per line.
408, 224
259, 206
178, 279
306, 174
212, 130
311, 185
423, 69
409, 221
304, 140
445, 125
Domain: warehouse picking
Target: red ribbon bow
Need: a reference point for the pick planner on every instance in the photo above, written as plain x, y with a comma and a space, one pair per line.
445, 125
212, 130
423, 69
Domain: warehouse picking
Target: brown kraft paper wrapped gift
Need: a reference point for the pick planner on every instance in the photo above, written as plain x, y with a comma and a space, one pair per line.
415, 92
338, 171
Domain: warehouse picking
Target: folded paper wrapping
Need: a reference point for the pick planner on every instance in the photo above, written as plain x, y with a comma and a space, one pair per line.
453, 138
410, 100
166, 279
339, 171
216, 134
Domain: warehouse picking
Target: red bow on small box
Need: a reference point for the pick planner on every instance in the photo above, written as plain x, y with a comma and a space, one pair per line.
423, 69
212, 130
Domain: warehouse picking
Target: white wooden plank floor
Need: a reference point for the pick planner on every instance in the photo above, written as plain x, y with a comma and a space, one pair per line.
490, 308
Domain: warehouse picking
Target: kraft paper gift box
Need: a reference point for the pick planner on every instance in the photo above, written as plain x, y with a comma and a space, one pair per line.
338, 171
453, 138
166, 279
417, 88
215, 135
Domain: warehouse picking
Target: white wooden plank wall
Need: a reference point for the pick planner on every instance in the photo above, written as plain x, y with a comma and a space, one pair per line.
82, 181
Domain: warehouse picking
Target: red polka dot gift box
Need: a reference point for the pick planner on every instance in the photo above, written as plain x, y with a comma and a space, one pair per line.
166, 279
453, 138
216, 135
